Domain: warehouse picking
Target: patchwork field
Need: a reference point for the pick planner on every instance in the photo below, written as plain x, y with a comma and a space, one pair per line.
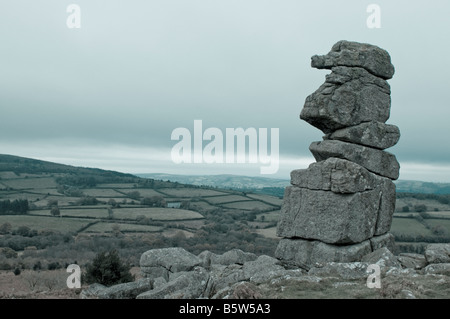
98, 202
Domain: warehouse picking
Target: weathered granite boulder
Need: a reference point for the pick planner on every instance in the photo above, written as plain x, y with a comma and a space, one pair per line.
438, 269
92, 291
413, 261
262, 269
349, 96
161, 262
377, 161
239, 290
327, 216
437, 253
182, 285
386, 240
347, 53
234, 256
355, 270
129, 290
373, 134
382, 257
308, 253
336, 175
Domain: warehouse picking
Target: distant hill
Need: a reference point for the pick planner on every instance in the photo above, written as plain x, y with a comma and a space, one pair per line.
22, 165
404, 186
258, 183
222, 181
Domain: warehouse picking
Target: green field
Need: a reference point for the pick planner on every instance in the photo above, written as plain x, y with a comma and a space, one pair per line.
101, 192
249, 205
409, 226
40, 223
123, 227
31, 183
84, 212
266, 198
225, 199
190, 192
144, 192
273, 216
439, 222
156, 213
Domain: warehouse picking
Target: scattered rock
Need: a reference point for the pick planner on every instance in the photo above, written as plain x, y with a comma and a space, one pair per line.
386, 240
306, 254
92, 291
223, 276
407, 294
413, 261
356, 270
129, 290
438, 269
183, 285
234, 256
437, 253
263, 269
160, 262
239, 290
382, 257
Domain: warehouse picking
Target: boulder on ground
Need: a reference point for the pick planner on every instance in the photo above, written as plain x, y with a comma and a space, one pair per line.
160, 262
182, 285
437, 253
309, 253
129, 290
382, 257
413, 261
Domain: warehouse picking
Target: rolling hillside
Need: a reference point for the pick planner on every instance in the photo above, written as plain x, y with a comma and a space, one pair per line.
39, 199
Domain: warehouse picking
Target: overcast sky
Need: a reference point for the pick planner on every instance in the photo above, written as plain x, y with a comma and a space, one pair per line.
110, 93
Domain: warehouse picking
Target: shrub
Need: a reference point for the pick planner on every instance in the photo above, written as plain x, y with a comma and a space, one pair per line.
107, 269
8, 252
54, 265
17, 271
55, 211
420, 208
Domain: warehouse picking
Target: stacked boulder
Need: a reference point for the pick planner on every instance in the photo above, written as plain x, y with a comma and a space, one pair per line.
341, 207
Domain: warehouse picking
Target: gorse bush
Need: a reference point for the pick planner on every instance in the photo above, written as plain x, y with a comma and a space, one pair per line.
107, 269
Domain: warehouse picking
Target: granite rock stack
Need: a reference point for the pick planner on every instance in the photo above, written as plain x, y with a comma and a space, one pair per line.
341, 207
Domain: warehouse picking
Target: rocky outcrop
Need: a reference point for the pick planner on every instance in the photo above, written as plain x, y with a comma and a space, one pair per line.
437, 253
242, 275
162, 262
339, 208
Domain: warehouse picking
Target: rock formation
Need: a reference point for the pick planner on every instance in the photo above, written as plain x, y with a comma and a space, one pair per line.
341, 207
174, 273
